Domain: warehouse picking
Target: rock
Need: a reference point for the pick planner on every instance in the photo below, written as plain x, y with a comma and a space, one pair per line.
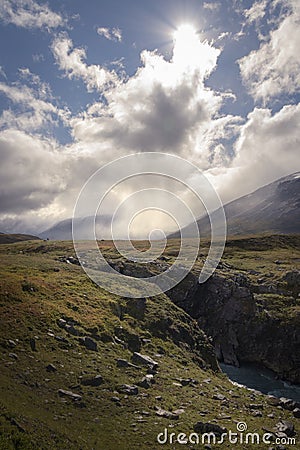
115, 399
71, 329
256, 413
287, 403
187, 381
220, 397
32, 343
69, 394
286, 427
122, 363
127, 389
61, 323
11, 343
16, 424
256, 406
13, 355
208, 427
144, 360
92, 381
274, 401
51, 368
89, 343
125, 363
296, 413
167, 414
145, 383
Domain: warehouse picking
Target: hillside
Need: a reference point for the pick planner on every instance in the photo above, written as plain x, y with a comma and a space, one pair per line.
11, 238
71, 375
274, 208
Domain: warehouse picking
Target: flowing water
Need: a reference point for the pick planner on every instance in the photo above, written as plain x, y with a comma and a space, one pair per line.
262, 380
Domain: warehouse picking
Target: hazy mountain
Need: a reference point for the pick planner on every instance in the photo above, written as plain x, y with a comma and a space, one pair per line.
63, 230
272, 208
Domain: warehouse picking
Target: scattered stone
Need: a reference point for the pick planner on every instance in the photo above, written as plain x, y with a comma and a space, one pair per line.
224, 416
207, 380
256, 406
11, 343
220, 397
286, 427
179, 411
187, 381
167, 414
32, 343
16, 424
208, 427
256, 413
69, 394
145, 383
158, 397
287, 403
296, 413
125, 363
72, 330
115, 399
13, 355
51, 368
92, 381
271, 416
144, 360
127, 389
89, 343
61, 323
273, 401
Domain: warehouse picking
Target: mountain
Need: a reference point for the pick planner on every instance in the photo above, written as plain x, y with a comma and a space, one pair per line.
63, 229
11, 238
274, 208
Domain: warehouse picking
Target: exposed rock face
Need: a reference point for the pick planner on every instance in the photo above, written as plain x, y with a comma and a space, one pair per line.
241, 331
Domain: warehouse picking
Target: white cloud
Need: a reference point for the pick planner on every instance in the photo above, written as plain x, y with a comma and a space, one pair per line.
29, 14
31, 172
165, 106
34, 104
112, 34
256, 12
72, 61
274, 68
211, 6
267, 149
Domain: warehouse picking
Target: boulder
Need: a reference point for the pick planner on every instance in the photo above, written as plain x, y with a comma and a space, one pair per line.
144, 360
69, 394
208, 427
92, 381
127, 389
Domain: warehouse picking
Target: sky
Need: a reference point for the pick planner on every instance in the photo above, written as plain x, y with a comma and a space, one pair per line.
84, 83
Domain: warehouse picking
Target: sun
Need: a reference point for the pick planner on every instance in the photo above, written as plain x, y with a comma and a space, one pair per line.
184, 33
186, 45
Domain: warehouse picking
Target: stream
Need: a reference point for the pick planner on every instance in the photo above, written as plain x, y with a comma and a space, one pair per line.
261, 379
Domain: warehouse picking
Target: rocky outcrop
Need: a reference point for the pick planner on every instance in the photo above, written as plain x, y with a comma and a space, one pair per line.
242, 330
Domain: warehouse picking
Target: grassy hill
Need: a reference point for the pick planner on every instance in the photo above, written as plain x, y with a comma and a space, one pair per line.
11, 238
60, 332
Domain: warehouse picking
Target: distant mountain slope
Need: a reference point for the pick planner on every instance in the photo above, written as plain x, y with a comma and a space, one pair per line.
63, 230
274, 208
11, 238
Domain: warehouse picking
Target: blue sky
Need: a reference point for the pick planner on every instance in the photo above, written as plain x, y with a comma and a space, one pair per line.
82, 83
